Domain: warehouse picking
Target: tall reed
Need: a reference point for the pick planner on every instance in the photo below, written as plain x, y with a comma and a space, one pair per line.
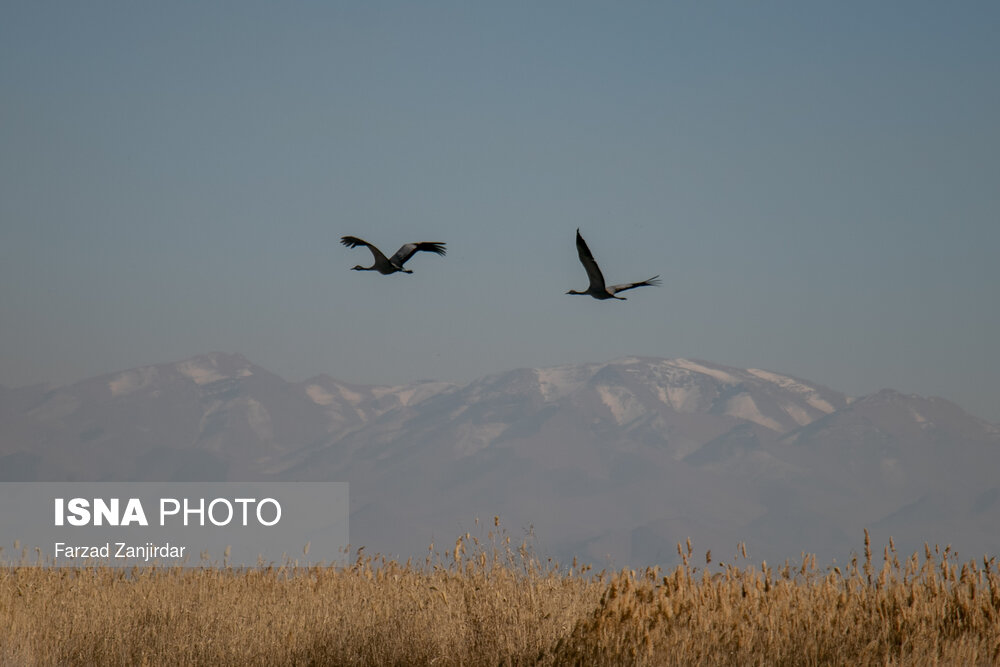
487, 601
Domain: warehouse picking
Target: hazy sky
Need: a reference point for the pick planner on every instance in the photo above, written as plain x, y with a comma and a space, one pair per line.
817, 184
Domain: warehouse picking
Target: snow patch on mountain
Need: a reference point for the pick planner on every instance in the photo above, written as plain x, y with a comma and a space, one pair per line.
413, 394
202, 371
812, 396
800, 416
559, 381
715, 373
623, 404
681, 399
319, 395
920, 419
744, 407
259, 419
130, 381
350, 396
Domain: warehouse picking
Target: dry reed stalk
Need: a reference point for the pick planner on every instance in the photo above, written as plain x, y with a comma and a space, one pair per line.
490, 603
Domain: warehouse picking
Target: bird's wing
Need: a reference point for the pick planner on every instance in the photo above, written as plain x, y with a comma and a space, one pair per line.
587, 259
407, 251
354, 242
614, 289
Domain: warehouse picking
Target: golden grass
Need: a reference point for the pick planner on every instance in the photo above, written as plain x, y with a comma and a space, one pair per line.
487, 604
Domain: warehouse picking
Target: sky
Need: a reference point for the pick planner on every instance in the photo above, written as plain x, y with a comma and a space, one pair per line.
817, 184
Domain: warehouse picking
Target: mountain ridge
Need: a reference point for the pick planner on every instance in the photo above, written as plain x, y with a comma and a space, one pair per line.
611, 461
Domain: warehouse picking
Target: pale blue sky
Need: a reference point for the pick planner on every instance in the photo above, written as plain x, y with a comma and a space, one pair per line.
817, 184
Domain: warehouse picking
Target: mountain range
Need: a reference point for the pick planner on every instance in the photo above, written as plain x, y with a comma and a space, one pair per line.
613, 463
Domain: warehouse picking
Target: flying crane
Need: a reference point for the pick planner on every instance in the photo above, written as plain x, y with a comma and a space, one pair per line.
597, 288
393, 264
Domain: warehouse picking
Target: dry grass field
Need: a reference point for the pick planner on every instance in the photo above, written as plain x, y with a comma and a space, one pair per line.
486, 603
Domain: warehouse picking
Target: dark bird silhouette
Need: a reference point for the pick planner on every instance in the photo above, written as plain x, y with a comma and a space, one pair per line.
393, 264
597, 288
